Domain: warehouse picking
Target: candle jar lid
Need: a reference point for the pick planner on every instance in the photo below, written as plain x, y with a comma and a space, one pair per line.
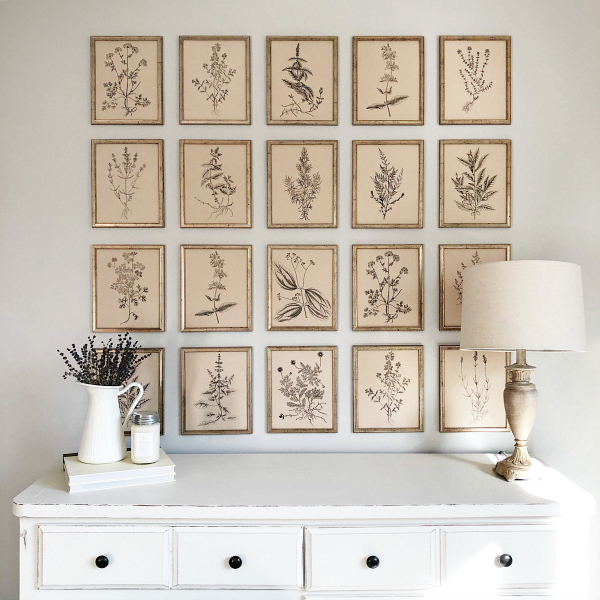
144, 417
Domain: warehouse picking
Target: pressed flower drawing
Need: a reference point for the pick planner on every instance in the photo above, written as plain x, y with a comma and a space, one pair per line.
472, 74
122, 177
473, 186
131, 292
305, 189
477, 392
387, 183
126, 399
219, 389
221, 186
302, 99
122, 92
458, 281
219, 76
305, 300
304, 390
385, 297
389, 56
217, 286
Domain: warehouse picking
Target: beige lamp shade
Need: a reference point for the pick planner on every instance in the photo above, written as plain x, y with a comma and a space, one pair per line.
525, 304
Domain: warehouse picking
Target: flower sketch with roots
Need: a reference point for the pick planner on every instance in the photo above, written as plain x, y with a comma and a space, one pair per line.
458, 281
305, 189
302, 99
123, 177
219, 76
385, 297
386, 183
132, 293
221, 186
477, 392
305, 300
122, 92
217, 286
304, 391
389, 56
393, 385
219, 389
472, 73
126, 399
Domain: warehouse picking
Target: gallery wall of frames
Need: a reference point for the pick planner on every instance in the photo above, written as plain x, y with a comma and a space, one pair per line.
216, 191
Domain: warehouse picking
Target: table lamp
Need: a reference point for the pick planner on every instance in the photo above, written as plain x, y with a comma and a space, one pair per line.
522, 305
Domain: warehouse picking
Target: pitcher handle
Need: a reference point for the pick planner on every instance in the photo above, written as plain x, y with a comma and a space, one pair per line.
136, 400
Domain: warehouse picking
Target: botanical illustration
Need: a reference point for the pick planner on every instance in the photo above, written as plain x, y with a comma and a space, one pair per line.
123, 176
476, 390
221, 186
131, 293
214, 397
473, 186
473, 74
458, 281
218, 77
216, 286
387, 183
388, 78
303, 100
304, 190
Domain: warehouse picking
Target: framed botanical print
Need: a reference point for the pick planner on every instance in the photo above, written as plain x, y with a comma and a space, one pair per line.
128, 288
472, 390
475, 182
216, 391
302, 80
454, 259
127, 183
214, 80
302, 183
302, 292
475, 80
387, 184
387, 287
215, 183
216, 288
388, 81
302, 389
388, 388
126, 80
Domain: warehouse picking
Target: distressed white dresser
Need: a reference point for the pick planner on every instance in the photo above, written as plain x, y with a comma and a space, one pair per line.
309, 526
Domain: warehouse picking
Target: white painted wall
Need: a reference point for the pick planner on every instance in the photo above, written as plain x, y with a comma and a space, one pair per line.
46, 233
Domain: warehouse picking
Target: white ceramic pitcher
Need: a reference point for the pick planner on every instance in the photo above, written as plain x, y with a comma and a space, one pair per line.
103, 439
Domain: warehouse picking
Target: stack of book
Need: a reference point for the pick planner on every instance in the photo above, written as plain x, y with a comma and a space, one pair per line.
82, 477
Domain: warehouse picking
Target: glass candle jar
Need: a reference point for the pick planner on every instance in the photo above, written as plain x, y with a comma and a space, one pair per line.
145, 437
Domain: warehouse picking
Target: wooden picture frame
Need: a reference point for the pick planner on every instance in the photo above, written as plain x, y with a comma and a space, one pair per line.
373, 91
453, 260
216, 281
305, 97
396, 406
384, 173
472, 403
141, 101
475, 80
318, 374
215, 183
225, 100
302, 186
372, 308
213, 382
129, 278
488, 162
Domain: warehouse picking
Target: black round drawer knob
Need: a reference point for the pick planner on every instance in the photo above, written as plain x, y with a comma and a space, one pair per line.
235, 562
506, 560
101, 562
372, 562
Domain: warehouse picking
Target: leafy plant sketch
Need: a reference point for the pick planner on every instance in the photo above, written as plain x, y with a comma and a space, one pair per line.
221, 186
128, 172
472, 74
385, 296
478, 395
305, 189
458, 281
299, 74
219, 77
305, 392
132, 293
389, 395
121, 93
386, 183
217, 285
126, 399
219, 388
305, 299
389, 56
476, 190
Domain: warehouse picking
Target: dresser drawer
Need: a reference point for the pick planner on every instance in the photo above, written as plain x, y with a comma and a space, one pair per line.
138, 557
337, 558
271, 557
471, 557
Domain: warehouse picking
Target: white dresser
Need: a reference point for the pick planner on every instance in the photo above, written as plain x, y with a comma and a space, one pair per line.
309, 526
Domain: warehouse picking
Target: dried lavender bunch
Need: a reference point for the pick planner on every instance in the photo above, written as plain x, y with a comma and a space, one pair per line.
113, 364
